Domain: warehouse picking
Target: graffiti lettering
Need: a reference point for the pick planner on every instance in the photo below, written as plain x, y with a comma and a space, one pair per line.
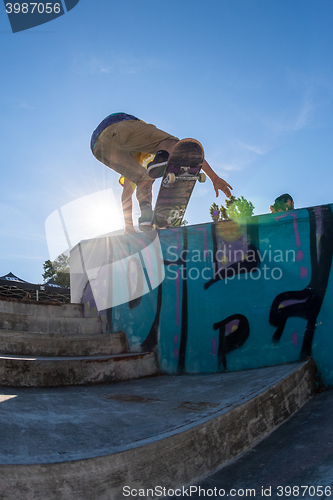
231, 291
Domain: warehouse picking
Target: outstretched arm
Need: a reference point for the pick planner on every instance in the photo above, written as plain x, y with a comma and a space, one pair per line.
218, 182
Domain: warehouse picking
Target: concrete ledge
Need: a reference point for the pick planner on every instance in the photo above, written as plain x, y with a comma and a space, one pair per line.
29, 307
48, 344
180, 456
49, 324
20, 371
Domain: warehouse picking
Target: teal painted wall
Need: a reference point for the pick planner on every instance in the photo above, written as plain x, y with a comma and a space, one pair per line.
238, 295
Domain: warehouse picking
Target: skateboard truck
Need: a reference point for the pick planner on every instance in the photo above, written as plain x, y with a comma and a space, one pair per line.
172, 178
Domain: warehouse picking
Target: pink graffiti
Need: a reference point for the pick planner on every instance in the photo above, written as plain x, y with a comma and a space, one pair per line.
294, 339
299, 255
177, 297
176, 352
303, 273
214, 346
178, 287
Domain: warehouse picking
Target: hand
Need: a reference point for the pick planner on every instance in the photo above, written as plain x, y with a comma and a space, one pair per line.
218, 183
221, 184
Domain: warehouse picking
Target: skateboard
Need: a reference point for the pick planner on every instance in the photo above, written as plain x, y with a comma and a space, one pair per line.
181, 173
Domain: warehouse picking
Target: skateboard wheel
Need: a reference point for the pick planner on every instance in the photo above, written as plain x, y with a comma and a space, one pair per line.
171, 178
202, 177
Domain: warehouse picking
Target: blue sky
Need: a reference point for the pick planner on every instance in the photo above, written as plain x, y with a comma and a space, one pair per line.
250, 79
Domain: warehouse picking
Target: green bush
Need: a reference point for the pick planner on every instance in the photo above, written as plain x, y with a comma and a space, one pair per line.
235, 208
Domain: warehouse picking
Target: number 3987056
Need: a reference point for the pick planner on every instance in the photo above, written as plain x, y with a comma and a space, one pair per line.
33, 8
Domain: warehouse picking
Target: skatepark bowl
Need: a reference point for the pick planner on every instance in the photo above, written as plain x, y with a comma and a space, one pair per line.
189, 358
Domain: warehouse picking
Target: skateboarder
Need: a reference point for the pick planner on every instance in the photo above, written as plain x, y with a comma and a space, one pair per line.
119, 136
128, 190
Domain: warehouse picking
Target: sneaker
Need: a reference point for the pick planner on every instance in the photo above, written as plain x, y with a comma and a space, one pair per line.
146, 217
156, 167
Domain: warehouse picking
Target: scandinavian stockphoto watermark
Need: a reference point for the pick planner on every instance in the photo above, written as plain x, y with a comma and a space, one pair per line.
25, 15
227, 263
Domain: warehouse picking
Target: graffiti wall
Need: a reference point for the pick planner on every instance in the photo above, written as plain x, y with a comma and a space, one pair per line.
224, 296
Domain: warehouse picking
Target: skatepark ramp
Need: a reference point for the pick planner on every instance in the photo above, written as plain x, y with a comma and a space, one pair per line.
225, 296
240, 311
144, 437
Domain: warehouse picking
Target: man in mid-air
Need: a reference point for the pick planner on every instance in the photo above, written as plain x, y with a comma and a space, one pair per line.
123, 142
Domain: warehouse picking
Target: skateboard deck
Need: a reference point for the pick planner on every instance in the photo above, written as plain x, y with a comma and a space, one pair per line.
181, 173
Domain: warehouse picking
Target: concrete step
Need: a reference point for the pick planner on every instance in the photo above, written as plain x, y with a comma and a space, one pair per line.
50, 344
167, 432
55, 324
24, 371
35, 308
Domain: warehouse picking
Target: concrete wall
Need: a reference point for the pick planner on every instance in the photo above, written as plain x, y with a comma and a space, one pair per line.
232, 295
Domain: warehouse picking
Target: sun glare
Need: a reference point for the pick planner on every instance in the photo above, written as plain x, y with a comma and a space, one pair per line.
87, 217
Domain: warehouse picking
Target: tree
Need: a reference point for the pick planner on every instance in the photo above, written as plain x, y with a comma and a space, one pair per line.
58, 270
235, 208
239, 207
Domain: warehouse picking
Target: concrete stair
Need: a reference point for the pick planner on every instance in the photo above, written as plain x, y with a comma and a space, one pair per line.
50, 345
40, 344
